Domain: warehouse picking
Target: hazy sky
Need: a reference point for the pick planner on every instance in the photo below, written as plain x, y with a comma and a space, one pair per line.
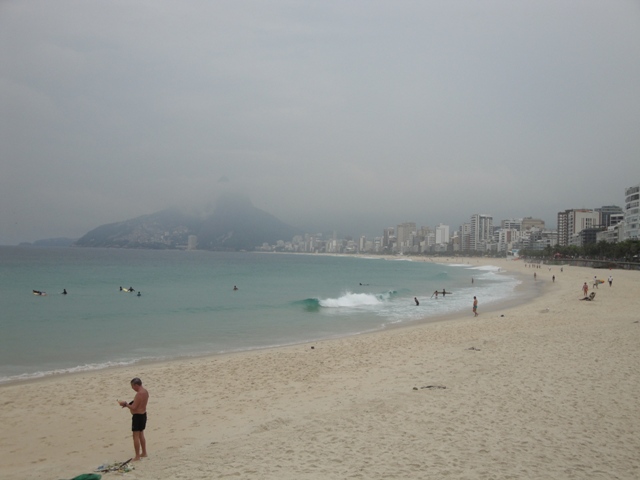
347, 115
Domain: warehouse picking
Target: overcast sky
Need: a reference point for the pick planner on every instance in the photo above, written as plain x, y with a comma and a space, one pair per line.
346, 115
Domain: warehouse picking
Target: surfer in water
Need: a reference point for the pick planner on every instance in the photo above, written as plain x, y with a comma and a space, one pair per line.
64, 291
415, 299
235, 288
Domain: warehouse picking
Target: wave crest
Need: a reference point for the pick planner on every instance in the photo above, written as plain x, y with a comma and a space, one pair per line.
354, 300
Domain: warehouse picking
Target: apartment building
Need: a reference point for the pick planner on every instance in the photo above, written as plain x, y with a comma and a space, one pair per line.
632, 213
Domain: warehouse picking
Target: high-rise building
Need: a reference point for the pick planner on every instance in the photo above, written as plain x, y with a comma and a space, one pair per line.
572, 222
442, 234
404, 234
387, 234
362, 244
465, 233
632, 213
606, 213
481, 232
506, 238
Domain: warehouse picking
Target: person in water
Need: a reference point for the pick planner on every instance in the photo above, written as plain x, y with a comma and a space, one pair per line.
235, 287
139, 294
64, 291
138, 408
415, 299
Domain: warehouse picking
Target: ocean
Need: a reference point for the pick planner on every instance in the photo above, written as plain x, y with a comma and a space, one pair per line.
188, 306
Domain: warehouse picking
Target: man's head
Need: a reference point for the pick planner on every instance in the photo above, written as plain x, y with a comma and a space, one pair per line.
136, 383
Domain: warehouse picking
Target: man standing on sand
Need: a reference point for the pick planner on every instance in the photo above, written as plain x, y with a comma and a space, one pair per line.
138, 408
585, 289
475, 307
610, 280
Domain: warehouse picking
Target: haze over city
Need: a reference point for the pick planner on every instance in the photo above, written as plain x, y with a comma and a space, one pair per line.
348, 116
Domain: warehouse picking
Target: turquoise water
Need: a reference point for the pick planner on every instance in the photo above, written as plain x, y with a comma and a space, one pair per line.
188, 306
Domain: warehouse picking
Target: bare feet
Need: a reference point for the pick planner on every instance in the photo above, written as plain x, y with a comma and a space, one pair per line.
135, 459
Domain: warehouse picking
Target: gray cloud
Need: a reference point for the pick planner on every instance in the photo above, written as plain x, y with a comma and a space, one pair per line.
339, 115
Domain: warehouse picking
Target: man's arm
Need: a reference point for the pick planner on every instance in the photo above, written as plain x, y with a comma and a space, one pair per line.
131, 405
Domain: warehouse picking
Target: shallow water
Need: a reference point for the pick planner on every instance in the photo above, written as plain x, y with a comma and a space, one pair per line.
188, 306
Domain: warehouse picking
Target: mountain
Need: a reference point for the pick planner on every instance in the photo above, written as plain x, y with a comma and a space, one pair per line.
235, 224
162, 230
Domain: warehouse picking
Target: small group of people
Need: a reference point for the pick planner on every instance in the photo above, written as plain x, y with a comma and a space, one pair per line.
41, 293
596, 282
436, 293
130, 289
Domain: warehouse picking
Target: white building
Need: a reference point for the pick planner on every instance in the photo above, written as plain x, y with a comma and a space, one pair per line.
632, 213
481, 232
442, 234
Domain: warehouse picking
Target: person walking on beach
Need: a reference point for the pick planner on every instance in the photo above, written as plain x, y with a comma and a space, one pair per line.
585, 289
610, 280
475, 307
595, 281
138, 408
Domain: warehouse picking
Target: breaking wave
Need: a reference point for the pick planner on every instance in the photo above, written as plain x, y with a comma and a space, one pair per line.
347, 300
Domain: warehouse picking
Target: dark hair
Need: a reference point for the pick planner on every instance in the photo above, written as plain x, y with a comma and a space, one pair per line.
136, 381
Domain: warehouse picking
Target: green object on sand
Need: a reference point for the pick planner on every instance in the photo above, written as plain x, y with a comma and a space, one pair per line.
88, 476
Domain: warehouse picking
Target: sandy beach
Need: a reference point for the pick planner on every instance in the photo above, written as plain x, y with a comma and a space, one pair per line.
546, 389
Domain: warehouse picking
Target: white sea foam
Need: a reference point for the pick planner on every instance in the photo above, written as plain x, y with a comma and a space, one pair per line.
62, 371
352, 300
488, 268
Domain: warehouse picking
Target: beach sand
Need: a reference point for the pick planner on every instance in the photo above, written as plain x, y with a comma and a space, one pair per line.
546, 389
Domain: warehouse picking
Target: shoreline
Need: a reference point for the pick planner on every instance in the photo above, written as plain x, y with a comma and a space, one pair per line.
520, 298
545, 389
